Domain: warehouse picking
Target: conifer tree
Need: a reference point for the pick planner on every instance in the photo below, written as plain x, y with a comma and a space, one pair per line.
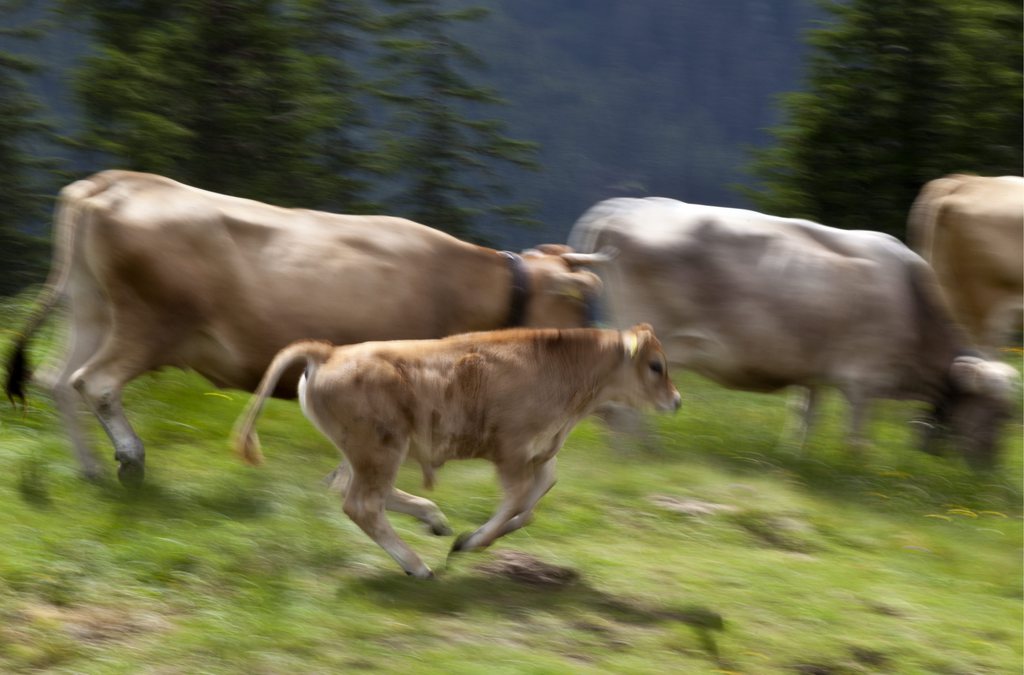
443, 151
23, 174
234, 96
899, 92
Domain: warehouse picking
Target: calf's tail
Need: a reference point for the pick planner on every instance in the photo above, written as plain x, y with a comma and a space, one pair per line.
245, 441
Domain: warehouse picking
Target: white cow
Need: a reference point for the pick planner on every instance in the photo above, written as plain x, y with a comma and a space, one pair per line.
759, 303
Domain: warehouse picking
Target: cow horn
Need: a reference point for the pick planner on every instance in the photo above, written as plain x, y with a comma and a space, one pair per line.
606, 254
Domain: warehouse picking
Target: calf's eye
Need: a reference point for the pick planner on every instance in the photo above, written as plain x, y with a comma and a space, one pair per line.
657, 368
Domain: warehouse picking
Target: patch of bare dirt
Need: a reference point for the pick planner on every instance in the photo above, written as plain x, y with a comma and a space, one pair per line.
525, 568
94, 624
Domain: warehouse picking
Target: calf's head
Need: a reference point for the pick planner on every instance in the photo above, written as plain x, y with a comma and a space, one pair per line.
978, 402
644, 379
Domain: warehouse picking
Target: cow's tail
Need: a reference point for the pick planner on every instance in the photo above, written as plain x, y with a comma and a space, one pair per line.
244, 438
924, 214
65, 229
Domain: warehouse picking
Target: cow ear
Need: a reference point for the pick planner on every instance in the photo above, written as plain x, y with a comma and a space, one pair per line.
577, 285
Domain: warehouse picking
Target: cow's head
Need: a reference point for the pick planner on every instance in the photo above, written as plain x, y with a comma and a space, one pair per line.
645, 380
559, 296
978, 401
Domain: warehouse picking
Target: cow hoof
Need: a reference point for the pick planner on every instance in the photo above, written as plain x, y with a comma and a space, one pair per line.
440, 530
131, 474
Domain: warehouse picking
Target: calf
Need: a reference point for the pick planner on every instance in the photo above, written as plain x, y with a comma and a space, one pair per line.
509, 396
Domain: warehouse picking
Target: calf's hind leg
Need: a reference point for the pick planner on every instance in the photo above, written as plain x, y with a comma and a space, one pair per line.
364, 503
398, 501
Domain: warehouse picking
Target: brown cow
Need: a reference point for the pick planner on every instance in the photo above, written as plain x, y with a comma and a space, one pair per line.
157, 273
971, 229
510, 397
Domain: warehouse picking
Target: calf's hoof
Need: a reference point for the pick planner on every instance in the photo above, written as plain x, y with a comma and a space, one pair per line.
425, 573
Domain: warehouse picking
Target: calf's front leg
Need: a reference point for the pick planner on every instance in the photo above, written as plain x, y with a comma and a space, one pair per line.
517, 481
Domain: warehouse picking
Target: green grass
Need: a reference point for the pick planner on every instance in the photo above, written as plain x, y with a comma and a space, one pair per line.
893, 562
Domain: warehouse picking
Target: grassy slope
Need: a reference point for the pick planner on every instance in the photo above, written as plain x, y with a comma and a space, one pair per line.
897, 562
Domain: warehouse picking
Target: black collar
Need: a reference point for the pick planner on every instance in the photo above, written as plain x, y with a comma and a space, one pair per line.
520, 290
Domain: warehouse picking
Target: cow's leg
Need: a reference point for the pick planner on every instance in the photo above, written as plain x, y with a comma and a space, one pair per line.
860, 403
365, 501
803, 413
544, 479
517, 481
86, 334
398, 501
100, 382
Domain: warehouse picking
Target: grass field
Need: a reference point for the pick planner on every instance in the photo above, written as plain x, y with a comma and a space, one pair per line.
717, 551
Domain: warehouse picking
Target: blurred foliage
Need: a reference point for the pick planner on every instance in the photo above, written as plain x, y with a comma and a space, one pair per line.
23, 186
435, 143
260, 98
900, 92
235, 96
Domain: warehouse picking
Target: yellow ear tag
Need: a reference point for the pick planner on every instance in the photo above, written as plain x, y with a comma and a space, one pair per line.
632, 344
574, 293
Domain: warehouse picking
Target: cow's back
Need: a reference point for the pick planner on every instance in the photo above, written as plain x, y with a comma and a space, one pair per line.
227, 282
971, 229
754, 301
980, 223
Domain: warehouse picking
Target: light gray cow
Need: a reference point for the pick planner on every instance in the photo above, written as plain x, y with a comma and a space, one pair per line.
759, 303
